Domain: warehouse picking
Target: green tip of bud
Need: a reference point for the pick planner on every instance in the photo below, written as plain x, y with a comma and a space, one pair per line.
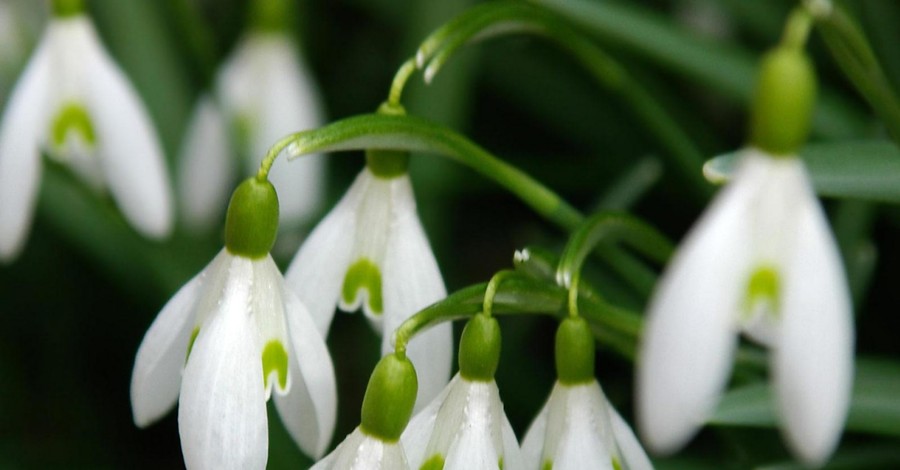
479, 349
252, 220
67, 8
784, 100
270, 15
388, 164
574, 351
389, 399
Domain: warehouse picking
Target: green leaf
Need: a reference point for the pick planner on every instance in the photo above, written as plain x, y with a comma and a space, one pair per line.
866, 170
874, 407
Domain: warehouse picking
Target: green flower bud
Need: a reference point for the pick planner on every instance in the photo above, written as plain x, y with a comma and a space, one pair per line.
67, 8
479, 349
574, 352
389, 399
388, 164
252, 220
784, 100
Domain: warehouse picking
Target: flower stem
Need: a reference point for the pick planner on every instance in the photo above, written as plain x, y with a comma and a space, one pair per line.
400, 78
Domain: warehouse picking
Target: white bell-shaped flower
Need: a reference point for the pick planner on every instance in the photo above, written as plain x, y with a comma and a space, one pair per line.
465, 427
578, 428
761, 261
225, 341
75, 104
263, 92
371, 251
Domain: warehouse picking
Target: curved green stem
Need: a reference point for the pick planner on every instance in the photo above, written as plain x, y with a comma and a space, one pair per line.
608, 227
499, 18
382, 132
400, 78
797, 28
274, 151
491, 290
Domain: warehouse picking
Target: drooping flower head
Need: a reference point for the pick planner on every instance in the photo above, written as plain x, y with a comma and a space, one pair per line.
228, 339
387, 406
262, 92
370, 251
73, 103
577, 427
465, 427
761, 261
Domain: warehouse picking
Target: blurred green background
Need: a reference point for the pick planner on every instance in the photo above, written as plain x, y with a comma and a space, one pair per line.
76, 303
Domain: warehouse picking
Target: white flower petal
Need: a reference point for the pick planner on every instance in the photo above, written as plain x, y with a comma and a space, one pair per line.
632, 452
689, 339
20, 165
813, 362
412, 281
471, 450
222, 413
533, 443
206, 167
418, 432
309, 410
317, 272
128, 145
361, 452
512, 454
156, 378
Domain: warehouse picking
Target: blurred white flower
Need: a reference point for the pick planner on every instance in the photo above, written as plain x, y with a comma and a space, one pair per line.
243, 334
464, 428
73, 102
371, 251
263, 92
761, 260
360, 451
578, 428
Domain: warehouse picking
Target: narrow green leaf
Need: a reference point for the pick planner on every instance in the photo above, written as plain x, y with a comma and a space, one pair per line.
867, 170
874, 407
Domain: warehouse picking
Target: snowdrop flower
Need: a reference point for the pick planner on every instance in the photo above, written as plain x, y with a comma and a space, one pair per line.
73, 102
577, 427
387, 406
371, 251
264, 92
465, 428
761, 261
226, 340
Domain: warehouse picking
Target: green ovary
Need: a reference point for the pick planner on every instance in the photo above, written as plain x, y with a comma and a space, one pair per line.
436, 462
764, 286
363, 274
275, 357
72, 118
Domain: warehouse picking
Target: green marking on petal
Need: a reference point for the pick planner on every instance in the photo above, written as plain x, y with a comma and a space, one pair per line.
616, 464
191, 342
500, 463
363, 274
436, 462
275, 357
548, 465
72, 118
764, 287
